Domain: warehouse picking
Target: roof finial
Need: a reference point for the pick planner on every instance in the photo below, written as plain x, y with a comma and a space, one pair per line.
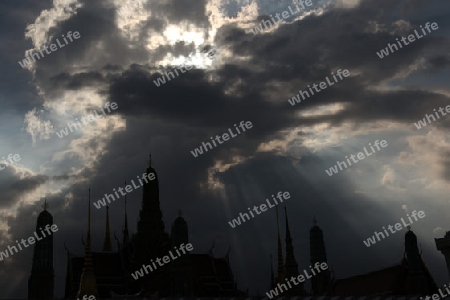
107, 246
280, 272
125, 228
45, 206
180, 213
314, 221
288, 232
89, 216
88, 282
212, 248
272, 278
149, 159
125, 201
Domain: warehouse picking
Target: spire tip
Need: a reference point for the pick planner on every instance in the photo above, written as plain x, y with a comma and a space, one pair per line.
45, 206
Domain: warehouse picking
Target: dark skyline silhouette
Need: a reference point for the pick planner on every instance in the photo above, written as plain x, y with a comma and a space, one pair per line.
108, 273
235, 76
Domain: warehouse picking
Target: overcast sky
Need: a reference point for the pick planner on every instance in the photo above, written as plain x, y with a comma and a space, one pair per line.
250, 78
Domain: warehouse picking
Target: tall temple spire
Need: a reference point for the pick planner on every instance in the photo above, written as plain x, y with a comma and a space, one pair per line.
443, 245
417, 280
45, 206
41, 281
150, 241
150, 160
126, 235
88, 282
291, 265
107, 246
183, 272
321, 283
272, 280
280, 271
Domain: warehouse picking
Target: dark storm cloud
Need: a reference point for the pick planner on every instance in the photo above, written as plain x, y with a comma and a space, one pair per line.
17, 95
95, 22
62, 177
190, 10
338, 39
439, 62
67, 82
15, 185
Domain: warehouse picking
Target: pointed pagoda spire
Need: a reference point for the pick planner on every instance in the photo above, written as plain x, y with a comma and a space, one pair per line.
88, 282
41, 280
417, 279
126, 235
149, 159
280, 271
107, 246
117, 240
291, 266
320, 284
45, 206
272, 280
317, 245
227, 256
211, 251
291, 263
150, 240
288, 232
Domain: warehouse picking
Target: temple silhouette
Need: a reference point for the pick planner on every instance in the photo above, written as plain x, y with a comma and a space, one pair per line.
410, 277
106, 274
41, 281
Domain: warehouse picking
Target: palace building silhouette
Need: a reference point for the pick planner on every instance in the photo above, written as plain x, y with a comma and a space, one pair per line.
41, 281
107, 273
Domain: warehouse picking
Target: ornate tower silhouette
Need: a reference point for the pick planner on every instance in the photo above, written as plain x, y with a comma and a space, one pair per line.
443, 245
88, 282
182, 267
417, 281
41, 281
320, 283
272, 280
126, 234
127, 248
291, 266
150, 240
107, 246
280, 272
